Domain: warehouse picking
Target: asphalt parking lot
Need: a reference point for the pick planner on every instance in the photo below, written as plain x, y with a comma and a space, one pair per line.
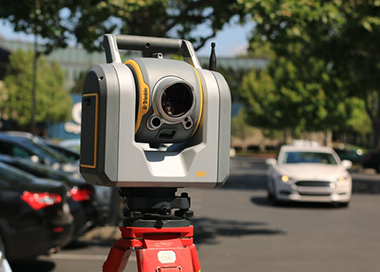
237, 228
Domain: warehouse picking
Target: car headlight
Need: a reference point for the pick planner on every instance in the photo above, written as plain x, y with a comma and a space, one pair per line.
342, 178
285, 178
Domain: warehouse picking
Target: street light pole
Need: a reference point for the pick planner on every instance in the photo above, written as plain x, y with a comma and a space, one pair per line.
34, 86
37, 12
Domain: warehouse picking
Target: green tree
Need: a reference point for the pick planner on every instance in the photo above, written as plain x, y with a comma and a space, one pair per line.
234, 78
285, 97
358, 120
52, 100
88, 20
341, 36
240, 129
78, 86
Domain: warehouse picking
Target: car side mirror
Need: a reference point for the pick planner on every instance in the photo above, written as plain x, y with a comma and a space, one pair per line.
271, 161
347, 164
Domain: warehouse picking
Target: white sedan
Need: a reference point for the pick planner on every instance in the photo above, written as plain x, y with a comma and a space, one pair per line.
309, 174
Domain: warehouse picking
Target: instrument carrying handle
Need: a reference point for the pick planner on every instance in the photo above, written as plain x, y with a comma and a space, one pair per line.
113, 43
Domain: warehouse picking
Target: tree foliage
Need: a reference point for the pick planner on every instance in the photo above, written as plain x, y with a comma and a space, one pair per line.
52, 100
79, 82
332, 45
89, 20
239, 126
280, 99
241, 129
234, 78
359, 120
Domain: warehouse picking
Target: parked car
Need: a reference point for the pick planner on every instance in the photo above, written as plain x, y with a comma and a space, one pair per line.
71, 155
72, 144
371, 159
309, 174
355, 155
4, 265
81, 199
24, 147
107, 198
35, 217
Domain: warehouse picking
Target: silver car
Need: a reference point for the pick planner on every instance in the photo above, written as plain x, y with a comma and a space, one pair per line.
309, 174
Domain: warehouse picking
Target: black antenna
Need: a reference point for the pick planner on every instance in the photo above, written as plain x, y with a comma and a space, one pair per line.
212, 62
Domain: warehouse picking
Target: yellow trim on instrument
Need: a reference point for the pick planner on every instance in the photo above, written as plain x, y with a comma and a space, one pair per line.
201, 102
144, 93
95, 132
200, 174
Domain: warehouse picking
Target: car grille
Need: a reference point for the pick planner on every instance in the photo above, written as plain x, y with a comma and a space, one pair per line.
314, 194
313, 183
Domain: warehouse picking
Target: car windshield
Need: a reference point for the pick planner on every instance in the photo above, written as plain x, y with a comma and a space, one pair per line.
308, 157
40, 170
45, 151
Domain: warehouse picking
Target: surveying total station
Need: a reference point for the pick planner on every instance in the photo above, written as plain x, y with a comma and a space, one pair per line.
152, 125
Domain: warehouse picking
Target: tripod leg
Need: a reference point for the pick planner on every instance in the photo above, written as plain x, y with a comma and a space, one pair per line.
118, 257
194, 257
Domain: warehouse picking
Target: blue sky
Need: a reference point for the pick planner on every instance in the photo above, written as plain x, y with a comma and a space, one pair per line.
230, 41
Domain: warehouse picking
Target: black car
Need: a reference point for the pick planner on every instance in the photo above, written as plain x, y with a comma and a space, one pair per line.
81, 194
28, 148
35, 217
4, 265
353, 155
372, 160
71, 155
105, 196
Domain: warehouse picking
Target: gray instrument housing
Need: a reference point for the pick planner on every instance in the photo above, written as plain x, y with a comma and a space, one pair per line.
110, 154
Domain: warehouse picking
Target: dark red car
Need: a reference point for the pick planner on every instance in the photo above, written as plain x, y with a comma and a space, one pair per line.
35, 217
81, 194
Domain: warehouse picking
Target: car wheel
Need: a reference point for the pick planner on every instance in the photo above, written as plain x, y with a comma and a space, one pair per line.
269, 195
339, 204
275, 201
273, 197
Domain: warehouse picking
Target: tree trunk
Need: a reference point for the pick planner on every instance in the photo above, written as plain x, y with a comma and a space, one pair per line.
244, 144
328, 138
376, 133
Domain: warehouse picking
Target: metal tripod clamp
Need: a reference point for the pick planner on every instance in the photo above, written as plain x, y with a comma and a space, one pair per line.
113, 43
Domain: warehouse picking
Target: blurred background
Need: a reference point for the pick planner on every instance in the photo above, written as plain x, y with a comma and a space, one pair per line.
298, 70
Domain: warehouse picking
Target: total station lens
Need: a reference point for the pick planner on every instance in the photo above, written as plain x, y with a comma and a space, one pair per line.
177, 100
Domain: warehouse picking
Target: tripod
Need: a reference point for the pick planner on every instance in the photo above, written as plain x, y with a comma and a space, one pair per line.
164, 242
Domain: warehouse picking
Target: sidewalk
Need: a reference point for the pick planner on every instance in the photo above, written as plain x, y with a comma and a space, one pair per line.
102, 233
